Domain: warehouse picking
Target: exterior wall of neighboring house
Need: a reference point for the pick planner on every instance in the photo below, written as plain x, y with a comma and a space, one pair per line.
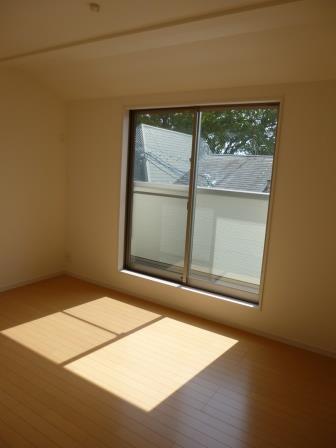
229, 230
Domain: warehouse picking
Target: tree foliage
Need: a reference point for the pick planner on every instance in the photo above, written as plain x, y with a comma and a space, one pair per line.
231, 130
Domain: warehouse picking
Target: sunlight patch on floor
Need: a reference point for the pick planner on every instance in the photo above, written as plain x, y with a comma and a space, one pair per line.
58, 337
149, 365
67, 334
134, 354
112, 315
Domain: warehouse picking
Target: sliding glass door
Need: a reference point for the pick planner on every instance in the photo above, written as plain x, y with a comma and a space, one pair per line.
161, 143
198, 195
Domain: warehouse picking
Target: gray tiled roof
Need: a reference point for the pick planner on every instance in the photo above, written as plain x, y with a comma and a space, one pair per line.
234, 172
167, 153
162, 156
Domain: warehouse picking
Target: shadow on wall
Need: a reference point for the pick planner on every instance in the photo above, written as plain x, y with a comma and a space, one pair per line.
81, 367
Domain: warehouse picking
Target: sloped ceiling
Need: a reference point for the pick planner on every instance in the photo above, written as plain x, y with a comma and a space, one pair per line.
134, 47
28, 25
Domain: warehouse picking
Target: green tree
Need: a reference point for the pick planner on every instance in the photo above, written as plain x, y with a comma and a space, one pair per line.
230, 130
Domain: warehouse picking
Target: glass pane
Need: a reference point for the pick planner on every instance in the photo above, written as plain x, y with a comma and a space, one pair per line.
234, 170
162, 151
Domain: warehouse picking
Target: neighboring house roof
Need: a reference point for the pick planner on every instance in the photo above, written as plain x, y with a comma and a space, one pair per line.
166, 153
234, 172
162, 156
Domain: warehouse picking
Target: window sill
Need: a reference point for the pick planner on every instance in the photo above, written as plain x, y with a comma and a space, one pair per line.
191, 289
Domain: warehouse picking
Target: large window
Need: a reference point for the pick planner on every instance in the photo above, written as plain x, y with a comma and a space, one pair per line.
199, 182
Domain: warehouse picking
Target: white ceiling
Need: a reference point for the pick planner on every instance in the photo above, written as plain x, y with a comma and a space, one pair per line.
134, 47
28, 25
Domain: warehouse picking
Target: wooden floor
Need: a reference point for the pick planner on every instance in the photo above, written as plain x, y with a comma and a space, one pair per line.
85, 367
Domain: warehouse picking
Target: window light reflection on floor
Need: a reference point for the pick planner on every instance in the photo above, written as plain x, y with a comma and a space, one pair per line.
149, 365
128, 351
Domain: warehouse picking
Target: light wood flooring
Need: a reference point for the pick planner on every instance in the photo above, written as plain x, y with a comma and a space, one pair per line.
86, 367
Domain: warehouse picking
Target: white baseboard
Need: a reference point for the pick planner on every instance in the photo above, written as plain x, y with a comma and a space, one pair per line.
273, 337
9, 286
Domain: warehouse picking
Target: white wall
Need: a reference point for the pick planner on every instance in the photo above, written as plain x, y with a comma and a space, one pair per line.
32, 181
299, 302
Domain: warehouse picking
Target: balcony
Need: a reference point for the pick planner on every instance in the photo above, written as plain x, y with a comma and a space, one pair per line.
229, 232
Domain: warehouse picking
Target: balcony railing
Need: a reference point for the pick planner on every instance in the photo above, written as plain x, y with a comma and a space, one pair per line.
229, 229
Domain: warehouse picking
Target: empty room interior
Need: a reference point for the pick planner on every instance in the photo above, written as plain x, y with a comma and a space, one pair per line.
167, 224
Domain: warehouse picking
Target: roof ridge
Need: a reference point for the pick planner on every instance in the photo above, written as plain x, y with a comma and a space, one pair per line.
164, 129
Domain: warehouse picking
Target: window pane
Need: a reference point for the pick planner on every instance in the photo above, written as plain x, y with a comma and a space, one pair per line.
162, 150
234, 169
